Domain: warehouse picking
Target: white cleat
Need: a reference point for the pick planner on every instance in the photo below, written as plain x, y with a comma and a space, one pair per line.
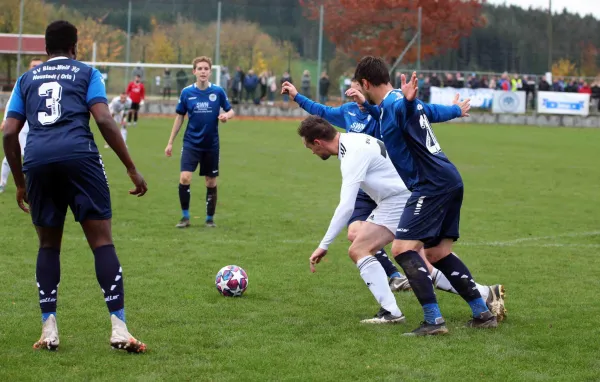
121, 339
49, 338
385, 317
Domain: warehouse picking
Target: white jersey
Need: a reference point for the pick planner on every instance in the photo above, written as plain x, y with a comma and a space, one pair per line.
365, 165
22, 134
118, 107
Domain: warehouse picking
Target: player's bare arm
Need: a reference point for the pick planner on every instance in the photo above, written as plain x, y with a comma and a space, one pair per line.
113, 138
288, 88
464, 105
176, 127
226, 116
11, 129
410, 89
316, 258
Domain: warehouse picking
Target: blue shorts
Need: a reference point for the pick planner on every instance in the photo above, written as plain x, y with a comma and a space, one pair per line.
80, 184
431, 218
363, 207
208, 161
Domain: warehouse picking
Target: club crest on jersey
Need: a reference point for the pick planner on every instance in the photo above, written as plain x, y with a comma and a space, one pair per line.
212, 97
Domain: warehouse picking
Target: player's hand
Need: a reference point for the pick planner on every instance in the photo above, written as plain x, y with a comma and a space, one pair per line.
316, 257
288, 88
465, 105
356, 95
138, 181
223, 118
169, 150
22, 199
410, 89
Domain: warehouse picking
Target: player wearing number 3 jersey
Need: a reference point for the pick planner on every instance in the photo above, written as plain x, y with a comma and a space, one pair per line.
64, 169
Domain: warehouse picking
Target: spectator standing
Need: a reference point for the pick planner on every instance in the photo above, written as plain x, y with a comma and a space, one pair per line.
323, 87
237, 85
263, 85
305, 84
286, 77
167, 84
250, 85
181, 78
271, 87
435, 80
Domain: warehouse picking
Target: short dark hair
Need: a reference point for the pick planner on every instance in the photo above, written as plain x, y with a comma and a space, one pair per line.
61, 37
372, 69
314, 127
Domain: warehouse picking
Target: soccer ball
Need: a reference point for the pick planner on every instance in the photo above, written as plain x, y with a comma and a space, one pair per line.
231, 281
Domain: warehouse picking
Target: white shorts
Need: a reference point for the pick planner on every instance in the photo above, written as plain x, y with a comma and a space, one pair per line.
23, 140
388, 212
119, 118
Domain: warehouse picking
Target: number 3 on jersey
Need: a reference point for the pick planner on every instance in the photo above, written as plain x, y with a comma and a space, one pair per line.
53, 92
431, 142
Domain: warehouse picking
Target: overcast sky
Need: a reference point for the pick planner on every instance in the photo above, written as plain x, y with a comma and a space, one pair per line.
582, 7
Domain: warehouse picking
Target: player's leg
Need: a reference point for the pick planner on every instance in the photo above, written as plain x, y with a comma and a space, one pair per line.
439, 253
189, 163
368, 240
4, 173
48, 206
363, 207
209, 168
493, 295
419, 221
90, 203
135, 114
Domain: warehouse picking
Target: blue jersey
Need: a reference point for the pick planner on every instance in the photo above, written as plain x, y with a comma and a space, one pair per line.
55, 99
413, 148
203, 108
348, 116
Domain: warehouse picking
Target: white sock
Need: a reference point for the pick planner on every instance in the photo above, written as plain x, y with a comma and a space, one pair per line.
372, 272
441, 282
124, 134
5, 172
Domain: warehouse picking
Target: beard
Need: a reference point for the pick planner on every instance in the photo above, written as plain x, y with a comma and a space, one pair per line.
324, 156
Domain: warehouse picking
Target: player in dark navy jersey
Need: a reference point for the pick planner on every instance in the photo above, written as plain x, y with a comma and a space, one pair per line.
431, 217
202, 102
63, 169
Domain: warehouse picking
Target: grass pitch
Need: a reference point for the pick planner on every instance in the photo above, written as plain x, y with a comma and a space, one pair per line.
529, 221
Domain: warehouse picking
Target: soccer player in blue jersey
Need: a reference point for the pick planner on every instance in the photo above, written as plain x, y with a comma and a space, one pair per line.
202, 102
431, 216
63, 169
354, 119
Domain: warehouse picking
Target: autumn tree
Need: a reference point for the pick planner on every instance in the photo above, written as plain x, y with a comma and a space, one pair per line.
385, 27
564, 67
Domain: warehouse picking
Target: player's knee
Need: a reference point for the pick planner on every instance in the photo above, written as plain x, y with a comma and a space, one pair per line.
401, 246
355, 252
185, 178
211, 182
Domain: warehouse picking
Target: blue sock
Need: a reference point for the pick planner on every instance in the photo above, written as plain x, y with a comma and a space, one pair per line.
432, 312
395, 274
186, 214
209, 218
120, 314
478, 306
45, 316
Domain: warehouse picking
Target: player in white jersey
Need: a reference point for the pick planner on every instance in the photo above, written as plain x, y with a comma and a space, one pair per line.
364, 165
118, 108
5, 172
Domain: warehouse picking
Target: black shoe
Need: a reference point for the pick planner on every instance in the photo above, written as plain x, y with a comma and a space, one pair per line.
485, 320
427, 329
183, 223
385, 317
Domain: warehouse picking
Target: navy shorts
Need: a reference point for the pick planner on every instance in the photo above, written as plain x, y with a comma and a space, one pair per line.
208, 161
431, 218
363, 207
80, 184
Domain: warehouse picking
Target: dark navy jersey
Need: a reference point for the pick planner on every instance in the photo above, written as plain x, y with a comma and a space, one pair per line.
203, 108
55, 99
412, 146
348, 116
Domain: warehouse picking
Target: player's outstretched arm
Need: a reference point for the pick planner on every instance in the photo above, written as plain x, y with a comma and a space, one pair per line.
174, 131
440, 113
333, 115
112, 136
360, 99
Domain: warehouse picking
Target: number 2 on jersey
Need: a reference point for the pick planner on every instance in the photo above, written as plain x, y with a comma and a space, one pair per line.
53, 91
431, 142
